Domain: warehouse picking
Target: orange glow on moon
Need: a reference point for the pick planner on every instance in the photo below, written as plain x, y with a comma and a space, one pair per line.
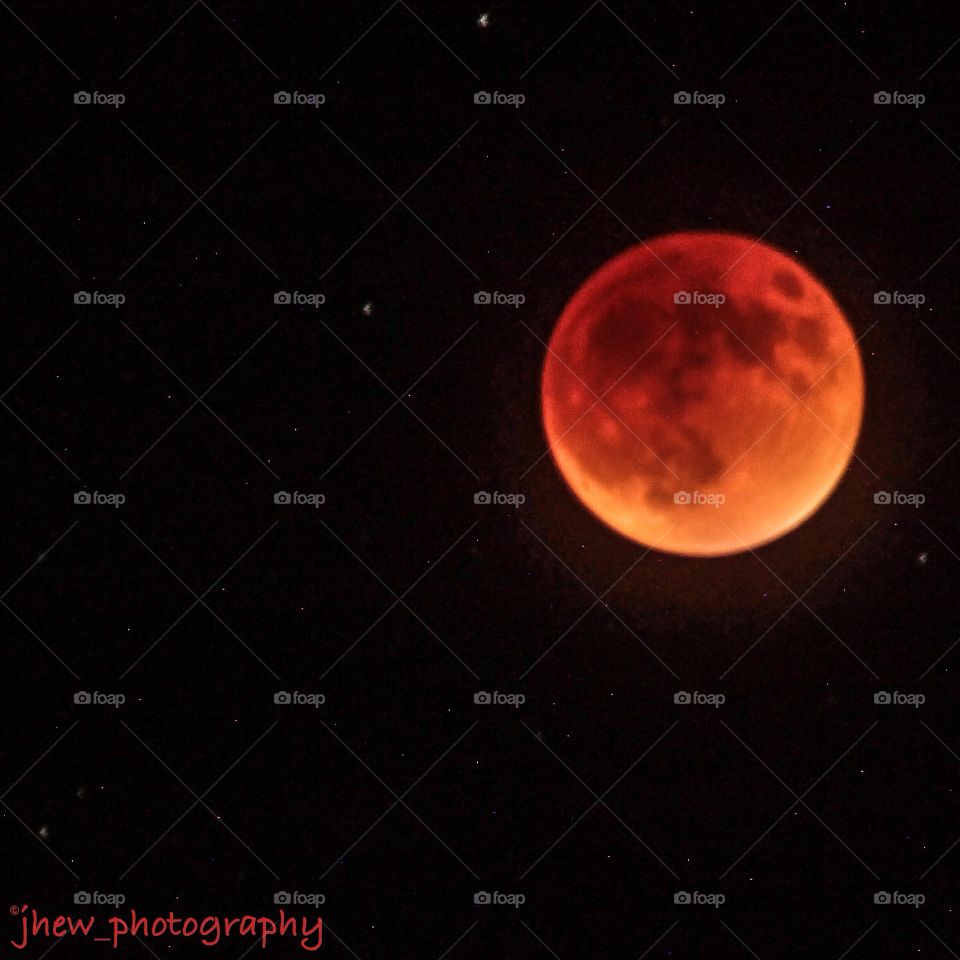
702, 393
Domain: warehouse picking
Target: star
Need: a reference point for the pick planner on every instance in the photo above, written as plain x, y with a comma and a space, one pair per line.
483, 20
367, 308
922, 558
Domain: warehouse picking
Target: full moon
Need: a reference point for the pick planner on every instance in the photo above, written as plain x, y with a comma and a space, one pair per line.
702, 393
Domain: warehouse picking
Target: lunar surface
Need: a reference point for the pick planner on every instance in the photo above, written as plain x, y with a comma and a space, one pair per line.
702, 394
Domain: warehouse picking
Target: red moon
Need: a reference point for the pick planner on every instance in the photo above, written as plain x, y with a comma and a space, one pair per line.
702, 393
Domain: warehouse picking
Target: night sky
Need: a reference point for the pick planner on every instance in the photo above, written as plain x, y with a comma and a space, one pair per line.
398, 399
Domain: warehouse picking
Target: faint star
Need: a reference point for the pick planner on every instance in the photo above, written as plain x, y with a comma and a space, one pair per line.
483, 20
368, 309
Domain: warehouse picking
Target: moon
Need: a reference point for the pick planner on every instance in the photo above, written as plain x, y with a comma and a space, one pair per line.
702, 393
